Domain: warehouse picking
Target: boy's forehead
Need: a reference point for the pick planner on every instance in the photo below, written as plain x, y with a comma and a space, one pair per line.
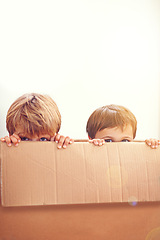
127, 130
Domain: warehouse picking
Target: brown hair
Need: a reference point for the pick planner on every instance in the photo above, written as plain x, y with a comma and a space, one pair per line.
35, 114
110, 116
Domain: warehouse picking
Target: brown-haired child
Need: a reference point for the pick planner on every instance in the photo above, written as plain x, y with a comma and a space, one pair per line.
34, 117
114, 123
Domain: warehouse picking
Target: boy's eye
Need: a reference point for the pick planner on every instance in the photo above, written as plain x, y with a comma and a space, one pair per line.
43, 139
125, 140
108, 140
24, 139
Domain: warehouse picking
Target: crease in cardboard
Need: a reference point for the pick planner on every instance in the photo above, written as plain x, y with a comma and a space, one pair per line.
109, 178
120, 172
92, 180
56, 179
136, 194
142, 178
83, 155
147, 179
42, 165
132, 192
3, 188
114, 172
73, 178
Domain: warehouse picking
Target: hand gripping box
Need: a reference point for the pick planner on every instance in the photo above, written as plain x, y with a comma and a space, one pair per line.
83, 192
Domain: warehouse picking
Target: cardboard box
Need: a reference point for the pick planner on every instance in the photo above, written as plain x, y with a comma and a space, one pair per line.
82, 192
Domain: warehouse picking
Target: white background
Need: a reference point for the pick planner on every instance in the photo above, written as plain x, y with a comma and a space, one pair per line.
84, 54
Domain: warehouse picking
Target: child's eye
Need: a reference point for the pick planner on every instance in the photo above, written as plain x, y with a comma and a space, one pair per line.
43, 139
125, 140
108, 140
24, 139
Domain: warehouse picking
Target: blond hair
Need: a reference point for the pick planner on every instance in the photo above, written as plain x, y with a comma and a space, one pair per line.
110, 116
35, 114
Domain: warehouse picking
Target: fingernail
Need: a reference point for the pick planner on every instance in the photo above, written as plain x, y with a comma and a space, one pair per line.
16, 144
9, 144
64, 146
59, 146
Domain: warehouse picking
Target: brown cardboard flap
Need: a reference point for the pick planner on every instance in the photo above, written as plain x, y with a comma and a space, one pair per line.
37, 173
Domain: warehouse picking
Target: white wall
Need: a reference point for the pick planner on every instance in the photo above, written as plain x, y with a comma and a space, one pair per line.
84, 54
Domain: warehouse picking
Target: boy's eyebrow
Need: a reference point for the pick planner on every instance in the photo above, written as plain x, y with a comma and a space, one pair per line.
122, 137
108, 137
127, 137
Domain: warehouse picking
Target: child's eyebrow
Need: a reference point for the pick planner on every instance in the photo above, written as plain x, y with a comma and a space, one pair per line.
107, 137
126, 137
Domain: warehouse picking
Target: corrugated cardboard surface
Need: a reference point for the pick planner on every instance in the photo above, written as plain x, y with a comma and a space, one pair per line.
36, 173
128, 173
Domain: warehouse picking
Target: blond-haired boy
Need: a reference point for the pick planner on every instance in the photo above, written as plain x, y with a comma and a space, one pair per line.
114, 123
34, 117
